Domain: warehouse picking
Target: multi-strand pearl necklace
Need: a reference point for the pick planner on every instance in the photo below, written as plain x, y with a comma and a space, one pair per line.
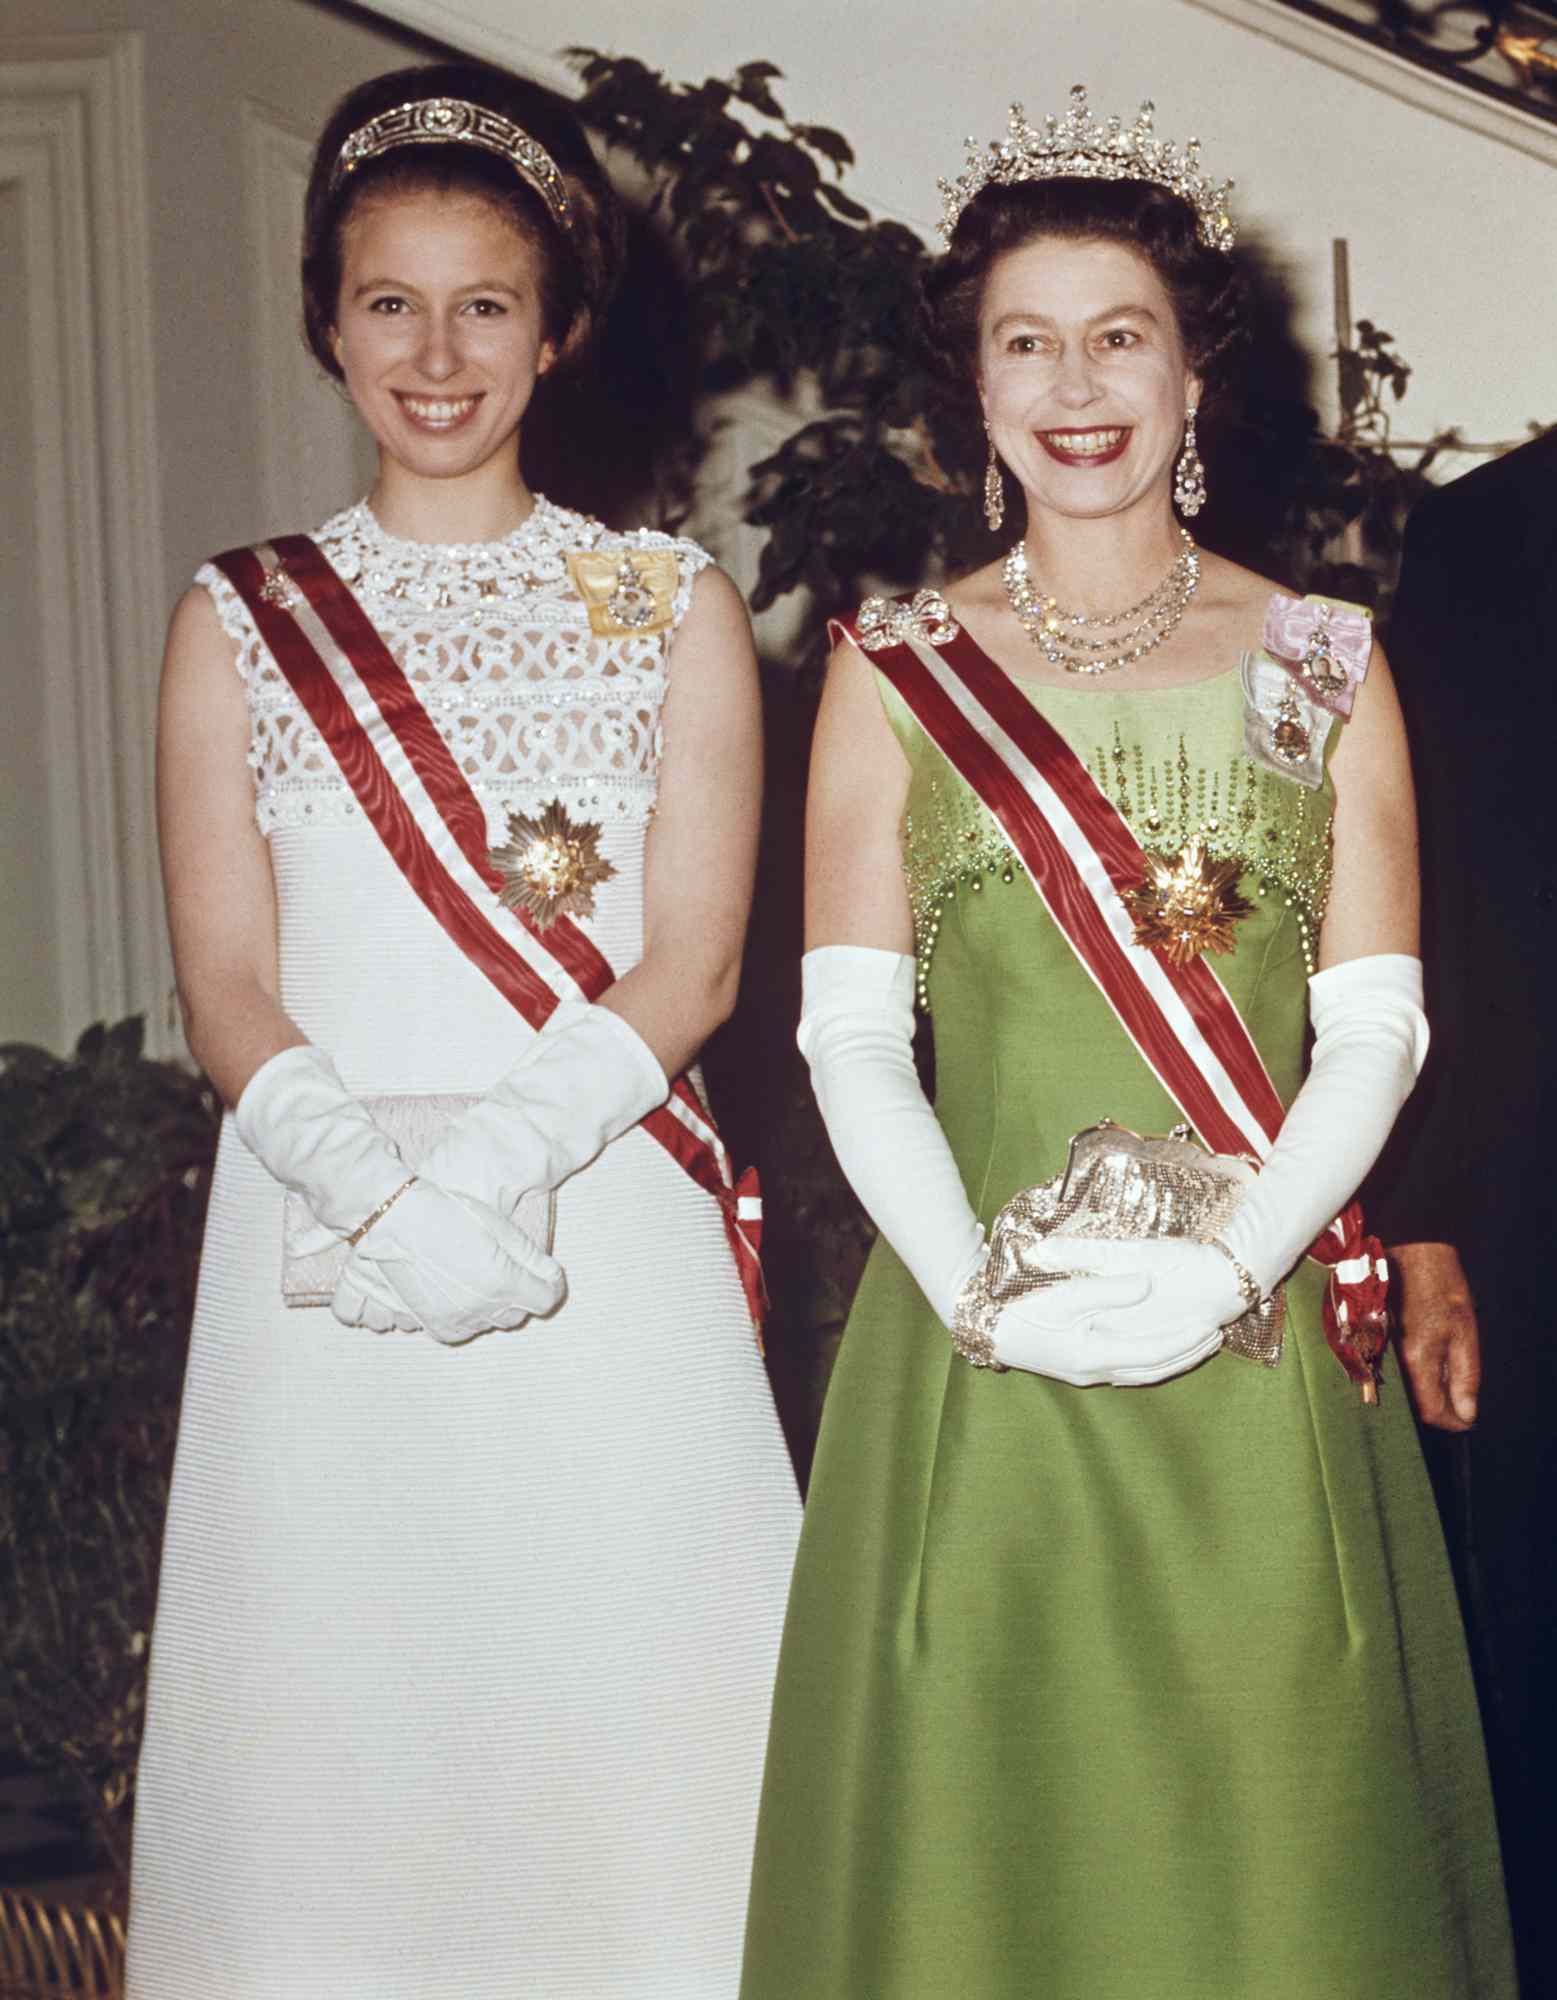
1062, 636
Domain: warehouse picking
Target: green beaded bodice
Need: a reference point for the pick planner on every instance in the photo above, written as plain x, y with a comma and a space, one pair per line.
1173, 763
1027, 1050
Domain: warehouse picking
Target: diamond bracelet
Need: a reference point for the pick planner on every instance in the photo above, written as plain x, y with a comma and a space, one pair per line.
379, 1213
973, 1319
1248, 1284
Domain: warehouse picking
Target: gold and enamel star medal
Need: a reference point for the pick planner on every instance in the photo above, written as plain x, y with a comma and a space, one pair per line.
551, 865
1186, 904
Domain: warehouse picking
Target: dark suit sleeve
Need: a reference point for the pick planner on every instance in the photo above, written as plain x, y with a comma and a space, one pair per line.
1429, 1181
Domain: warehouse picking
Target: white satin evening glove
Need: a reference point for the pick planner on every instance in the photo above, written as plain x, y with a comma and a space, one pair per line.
1370, 1040
856, 1032
428, 1260
1110, 1342
583, 1081
1187, 1293
446, 1265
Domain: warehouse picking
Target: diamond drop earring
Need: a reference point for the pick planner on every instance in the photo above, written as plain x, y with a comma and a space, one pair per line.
994, 487
1189, 480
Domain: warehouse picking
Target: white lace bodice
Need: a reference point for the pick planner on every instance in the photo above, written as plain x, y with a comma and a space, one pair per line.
496, 640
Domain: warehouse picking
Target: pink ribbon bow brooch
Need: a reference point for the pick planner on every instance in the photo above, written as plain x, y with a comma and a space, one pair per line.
1324, 643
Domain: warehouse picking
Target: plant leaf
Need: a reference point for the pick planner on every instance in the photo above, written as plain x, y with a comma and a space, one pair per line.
822, 139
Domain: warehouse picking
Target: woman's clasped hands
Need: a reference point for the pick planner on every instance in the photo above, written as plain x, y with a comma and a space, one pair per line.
1121, 1313
1117, 1312
587, 1078
448, 1266
430, 1259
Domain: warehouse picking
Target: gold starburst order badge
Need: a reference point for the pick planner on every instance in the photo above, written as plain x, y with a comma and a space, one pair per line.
551, 865
1187, 903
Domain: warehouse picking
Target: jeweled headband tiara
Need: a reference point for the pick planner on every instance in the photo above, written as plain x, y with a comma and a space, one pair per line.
1080, 147
454, 121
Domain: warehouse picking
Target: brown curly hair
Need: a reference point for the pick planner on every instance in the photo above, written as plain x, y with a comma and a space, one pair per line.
579, 266
1204, 285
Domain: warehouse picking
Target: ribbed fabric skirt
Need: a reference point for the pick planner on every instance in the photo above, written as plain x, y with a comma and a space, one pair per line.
463, 1657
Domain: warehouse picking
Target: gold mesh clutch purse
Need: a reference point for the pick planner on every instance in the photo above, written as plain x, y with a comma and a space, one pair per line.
1117, 1184
313, 1257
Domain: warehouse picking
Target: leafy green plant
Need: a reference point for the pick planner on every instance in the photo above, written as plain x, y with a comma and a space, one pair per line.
793, 282
105, 1161
1348, 493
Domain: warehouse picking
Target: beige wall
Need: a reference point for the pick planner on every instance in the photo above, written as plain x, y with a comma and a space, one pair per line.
155, 406
26, 857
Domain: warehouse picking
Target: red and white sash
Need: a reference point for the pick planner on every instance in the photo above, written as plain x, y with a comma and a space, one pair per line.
1080, 855
419, 803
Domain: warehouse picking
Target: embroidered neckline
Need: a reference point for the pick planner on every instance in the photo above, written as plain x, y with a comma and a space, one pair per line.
456, 576
545, 521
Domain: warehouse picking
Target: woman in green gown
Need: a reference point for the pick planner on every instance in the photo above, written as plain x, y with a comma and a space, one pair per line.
1092, 1691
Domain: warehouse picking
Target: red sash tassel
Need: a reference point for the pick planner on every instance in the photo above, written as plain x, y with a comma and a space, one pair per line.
1356, 1310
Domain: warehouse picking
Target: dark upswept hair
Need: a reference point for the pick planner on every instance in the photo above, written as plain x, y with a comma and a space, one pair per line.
579, 266
1205, 285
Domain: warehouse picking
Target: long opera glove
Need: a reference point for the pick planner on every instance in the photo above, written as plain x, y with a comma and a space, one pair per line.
856, 1032
583, 1081
1370, 1041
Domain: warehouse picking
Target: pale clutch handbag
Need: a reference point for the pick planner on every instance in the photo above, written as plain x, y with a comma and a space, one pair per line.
313, 1257
1118, 1184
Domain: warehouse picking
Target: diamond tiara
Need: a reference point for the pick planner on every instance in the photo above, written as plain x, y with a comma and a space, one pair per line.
454, 121
1080, 147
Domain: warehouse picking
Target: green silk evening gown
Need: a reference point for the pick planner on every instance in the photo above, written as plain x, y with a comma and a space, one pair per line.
1116, 1694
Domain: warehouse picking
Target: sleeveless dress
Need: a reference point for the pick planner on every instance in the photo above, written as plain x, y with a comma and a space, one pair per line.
1115, 1694
463, 1655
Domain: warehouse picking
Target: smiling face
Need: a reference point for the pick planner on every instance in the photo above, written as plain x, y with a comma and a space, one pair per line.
439, 330
1082, 374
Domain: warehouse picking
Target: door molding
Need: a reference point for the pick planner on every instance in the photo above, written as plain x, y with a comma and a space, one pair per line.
72, 140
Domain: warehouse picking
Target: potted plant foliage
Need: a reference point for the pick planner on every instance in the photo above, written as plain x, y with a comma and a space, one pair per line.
105, 1160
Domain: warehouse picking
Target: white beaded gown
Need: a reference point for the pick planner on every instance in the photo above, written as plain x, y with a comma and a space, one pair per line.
463, 1655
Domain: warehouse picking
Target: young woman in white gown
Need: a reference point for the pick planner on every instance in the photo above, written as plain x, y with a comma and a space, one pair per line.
474, 1574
